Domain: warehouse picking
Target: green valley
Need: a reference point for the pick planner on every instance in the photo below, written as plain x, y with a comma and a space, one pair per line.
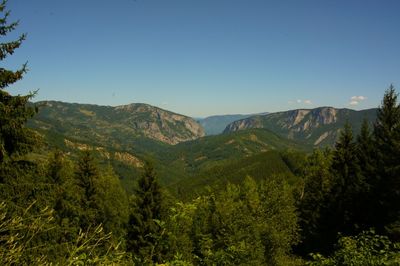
139, 185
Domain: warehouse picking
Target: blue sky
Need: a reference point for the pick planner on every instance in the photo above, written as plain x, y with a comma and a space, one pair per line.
210, 57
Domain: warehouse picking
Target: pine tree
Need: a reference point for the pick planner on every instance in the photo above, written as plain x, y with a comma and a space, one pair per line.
312, 200
15, 138
144, 231
348, 181
345, 164
340, 205
111, 202
366, 156
387, 141
86, 175
365, 152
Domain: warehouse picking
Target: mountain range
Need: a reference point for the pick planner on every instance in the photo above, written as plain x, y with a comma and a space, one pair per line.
107, 123
314, 127
128, 135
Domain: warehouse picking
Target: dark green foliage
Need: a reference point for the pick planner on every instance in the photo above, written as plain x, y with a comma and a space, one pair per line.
364, 190
365, 153
66, 196
260, 166
387, 138
101, 195
111, 203
367, 248
348, 184
246, 224
311, 197
144, 230
21, 242
332, 197
348, 181
15, 138
366, 156
60, 210
87, 173
86, 176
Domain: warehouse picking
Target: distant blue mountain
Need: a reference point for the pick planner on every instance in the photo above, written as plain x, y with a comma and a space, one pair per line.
214, 125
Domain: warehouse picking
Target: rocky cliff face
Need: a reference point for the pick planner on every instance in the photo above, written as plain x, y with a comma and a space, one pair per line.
122, 124
319, 126
160, 124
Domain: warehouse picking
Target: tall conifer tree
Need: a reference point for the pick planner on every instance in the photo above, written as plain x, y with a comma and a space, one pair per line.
144, 231
348, 181
365, 151
366, 156
340, 207
86, 175
387, 138
15, 138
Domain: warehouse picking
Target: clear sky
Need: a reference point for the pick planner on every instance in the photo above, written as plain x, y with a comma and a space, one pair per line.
205, 57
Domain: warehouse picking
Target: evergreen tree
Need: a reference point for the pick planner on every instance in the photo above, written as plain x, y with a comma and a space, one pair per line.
144, 230
56, 168
345, 166
348, 184
365, 152
366, 156
66, 195
86, 175
332, 196
317, 186
387, 141
15, 138
17, 175
111, 202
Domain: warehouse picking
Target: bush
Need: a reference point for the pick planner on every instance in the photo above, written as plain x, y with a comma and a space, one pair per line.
365, 249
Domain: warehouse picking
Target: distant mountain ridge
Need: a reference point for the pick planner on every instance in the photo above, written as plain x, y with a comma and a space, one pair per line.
127, 136
97, 123
216, 124
318, 127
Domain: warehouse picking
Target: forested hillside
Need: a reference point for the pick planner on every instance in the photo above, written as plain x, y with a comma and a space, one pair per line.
70, 195
315, 127
125, 123
63, 126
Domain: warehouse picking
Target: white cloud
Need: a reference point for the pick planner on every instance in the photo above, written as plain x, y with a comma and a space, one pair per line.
307, 102
299, 101
355, 100
164, 103
358, 98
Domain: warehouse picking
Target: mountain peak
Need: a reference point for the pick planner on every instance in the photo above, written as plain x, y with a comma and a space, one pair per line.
318, 126
136, 120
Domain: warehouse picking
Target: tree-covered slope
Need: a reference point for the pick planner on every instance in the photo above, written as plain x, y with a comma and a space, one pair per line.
211, 149
316, 127
75, 127
260, 166
117, 126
